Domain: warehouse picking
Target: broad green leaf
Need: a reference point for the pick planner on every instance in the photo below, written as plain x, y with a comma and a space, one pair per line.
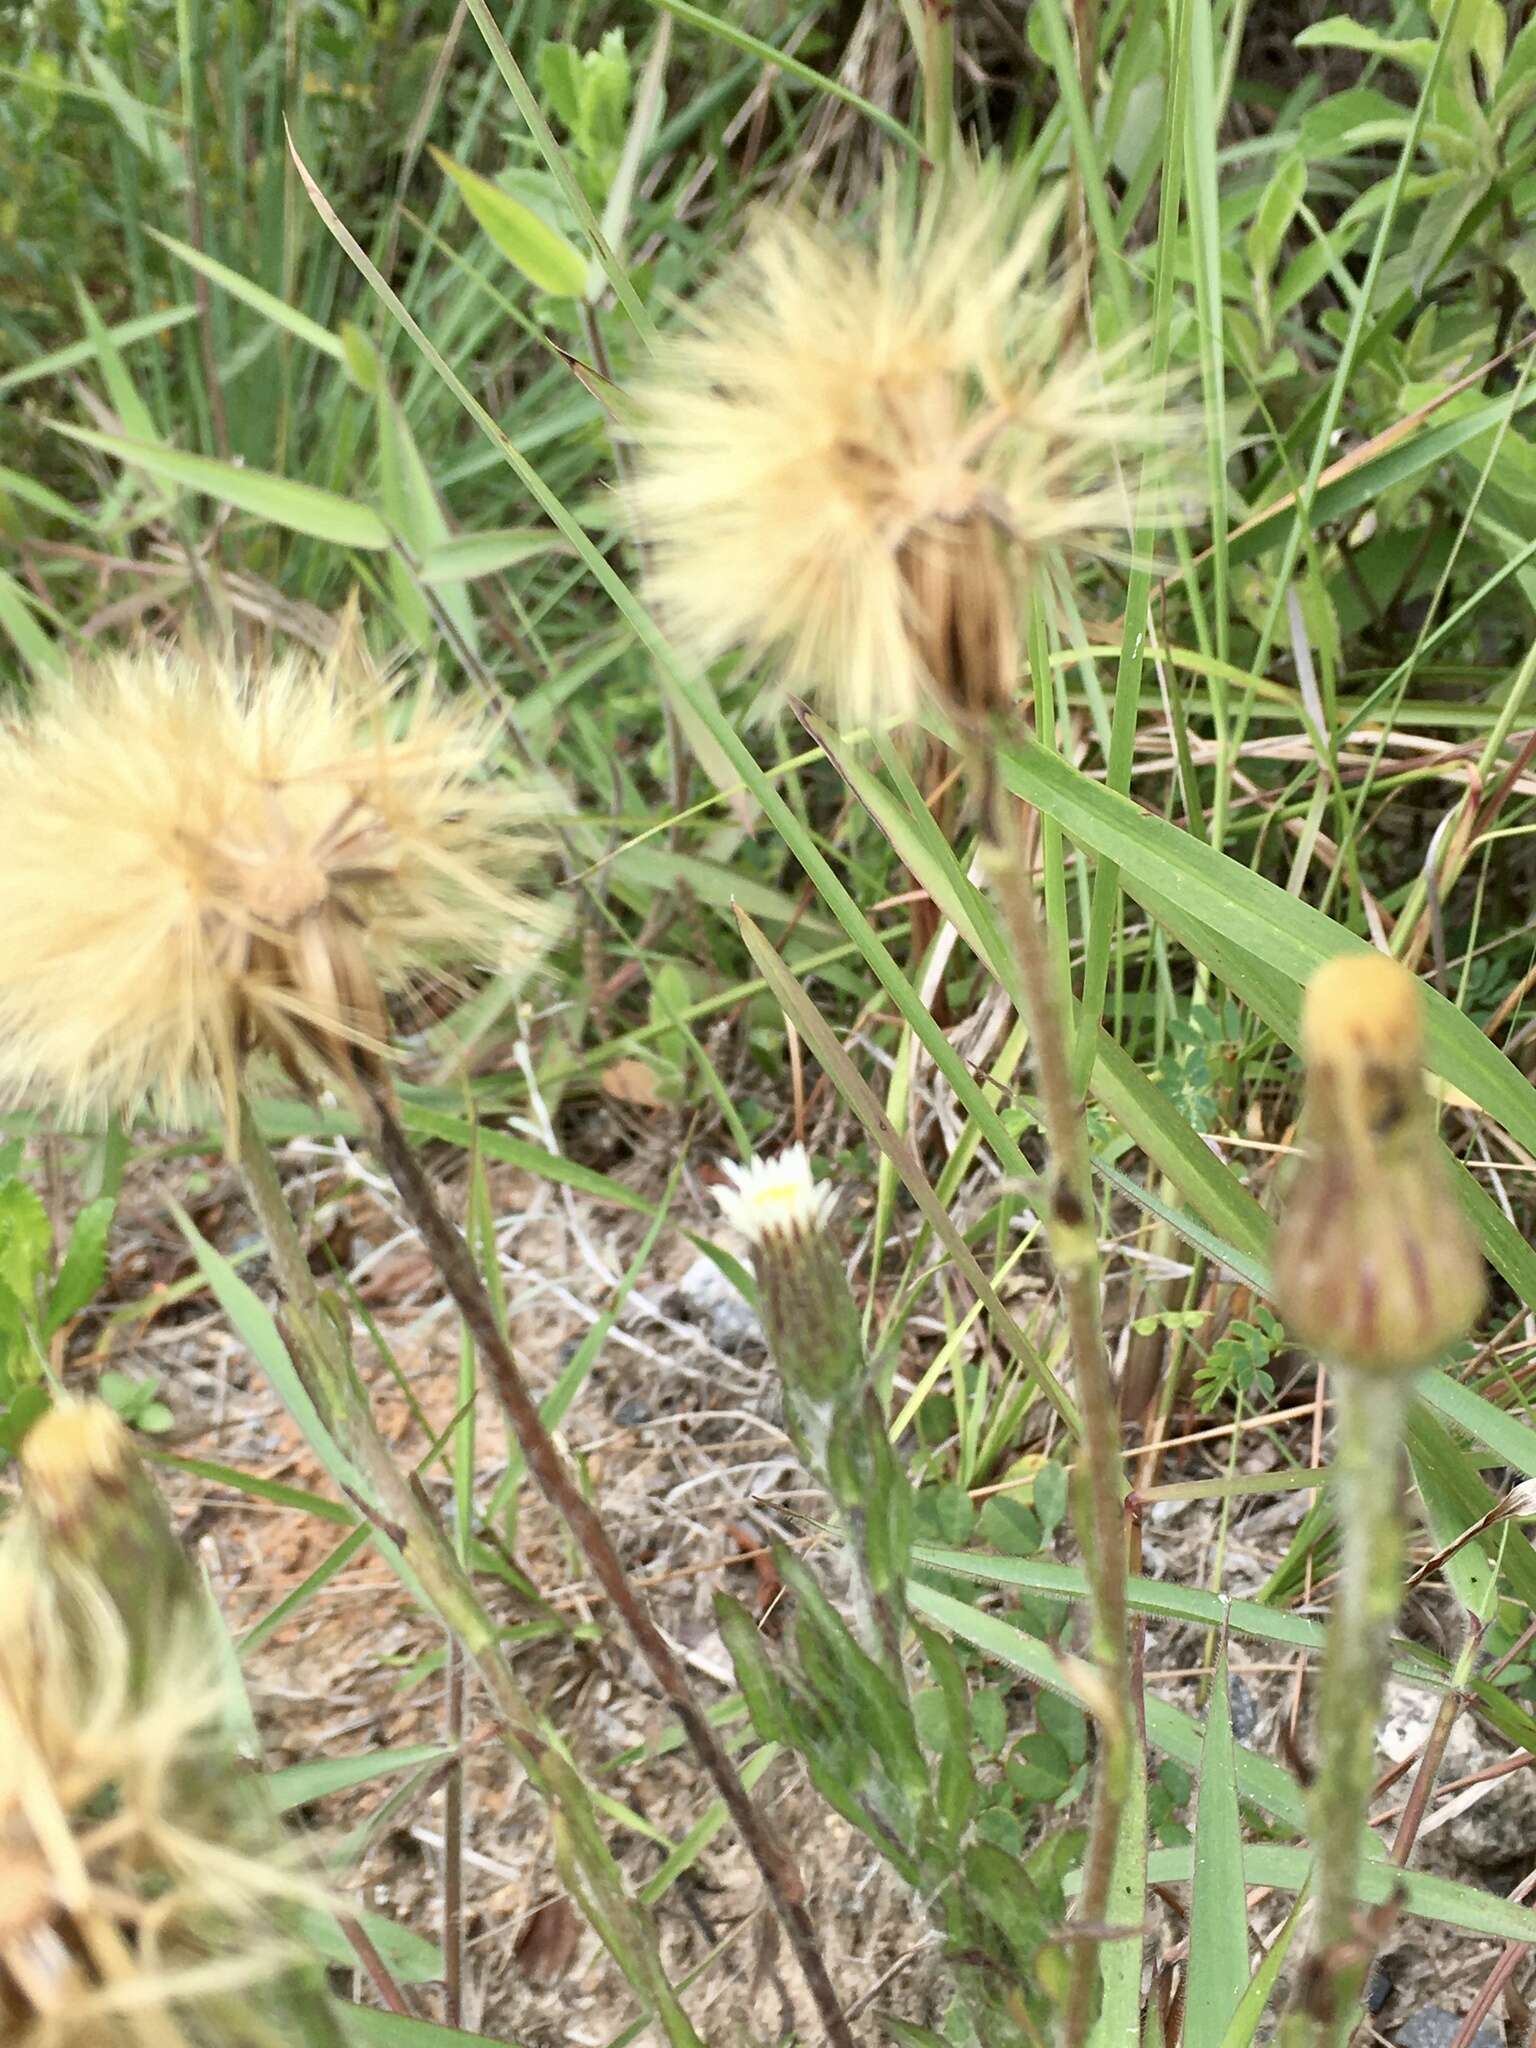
539, 251
1276, 210
301, 508
1458, 1497
26, 1242
1344, 32
1218, 1931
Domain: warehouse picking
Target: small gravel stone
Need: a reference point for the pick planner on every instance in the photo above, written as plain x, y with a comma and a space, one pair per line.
1495, 1829
711, 1300
1245, 1709
1433, 2027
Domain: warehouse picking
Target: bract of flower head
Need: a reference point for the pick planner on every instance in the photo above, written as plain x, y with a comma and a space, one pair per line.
137, 1903
1375, 1264
204, 860
853, 455
775, 1197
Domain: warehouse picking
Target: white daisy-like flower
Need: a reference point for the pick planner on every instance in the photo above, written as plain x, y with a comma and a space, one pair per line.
775, 1198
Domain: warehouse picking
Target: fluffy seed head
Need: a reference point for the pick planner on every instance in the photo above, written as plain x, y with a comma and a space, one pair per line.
854, 458
1375, 1266
202, 861
775, 1197
136, 1908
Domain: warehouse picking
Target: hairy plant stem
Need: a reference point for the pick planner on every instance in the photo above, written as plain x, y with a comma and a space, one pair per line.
411, 1531
1075, 1254
936, 54
451, 1256
1368, 1421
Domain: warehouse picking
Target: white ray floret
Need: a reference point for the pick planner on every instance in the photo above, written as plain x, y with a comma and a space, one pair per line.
774, 1197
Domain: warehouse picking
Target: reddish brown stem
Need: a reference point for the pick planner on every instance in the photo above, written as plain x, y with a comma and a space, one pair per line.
451, 1256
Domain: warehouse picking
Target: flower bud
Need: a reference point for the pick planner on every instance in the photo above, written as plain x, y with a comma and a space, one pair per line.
145, 1890
1375, 1265
809, 1314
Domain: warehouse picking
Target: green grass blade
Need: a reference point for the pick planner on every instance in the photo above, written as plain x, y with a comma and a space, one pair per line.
268, 304
1218, 1932
301, 508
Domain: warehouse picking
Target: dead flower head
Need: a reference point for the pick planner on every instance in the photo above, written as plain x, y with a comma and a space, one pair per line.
854, 458
1375, 1265
139, 1906
202, 861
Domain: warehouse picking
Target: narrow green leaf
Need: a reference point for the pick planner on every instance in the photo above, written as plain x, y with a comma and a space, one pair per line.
716, 23
1120, 1959
704, 1830
1218, 1933
39, 653
272, 308
372, 2028
302, 508
1264, 920
141, 328
411, 1958
258, 1331
468, 555
1443, 1899
319, 1777
1259, 1781
1255, 1999
861, 1098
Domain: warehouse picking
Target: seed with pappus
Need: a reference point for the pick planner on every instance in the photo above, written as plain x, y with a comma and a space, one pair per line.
854, 459
202, 861
1375, 1266
145, 1897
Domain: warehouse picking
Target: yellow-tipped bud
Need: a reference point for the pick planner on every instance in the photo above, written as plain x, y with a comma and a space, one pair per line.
1363, 1006
69, 1457
1375, 1266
